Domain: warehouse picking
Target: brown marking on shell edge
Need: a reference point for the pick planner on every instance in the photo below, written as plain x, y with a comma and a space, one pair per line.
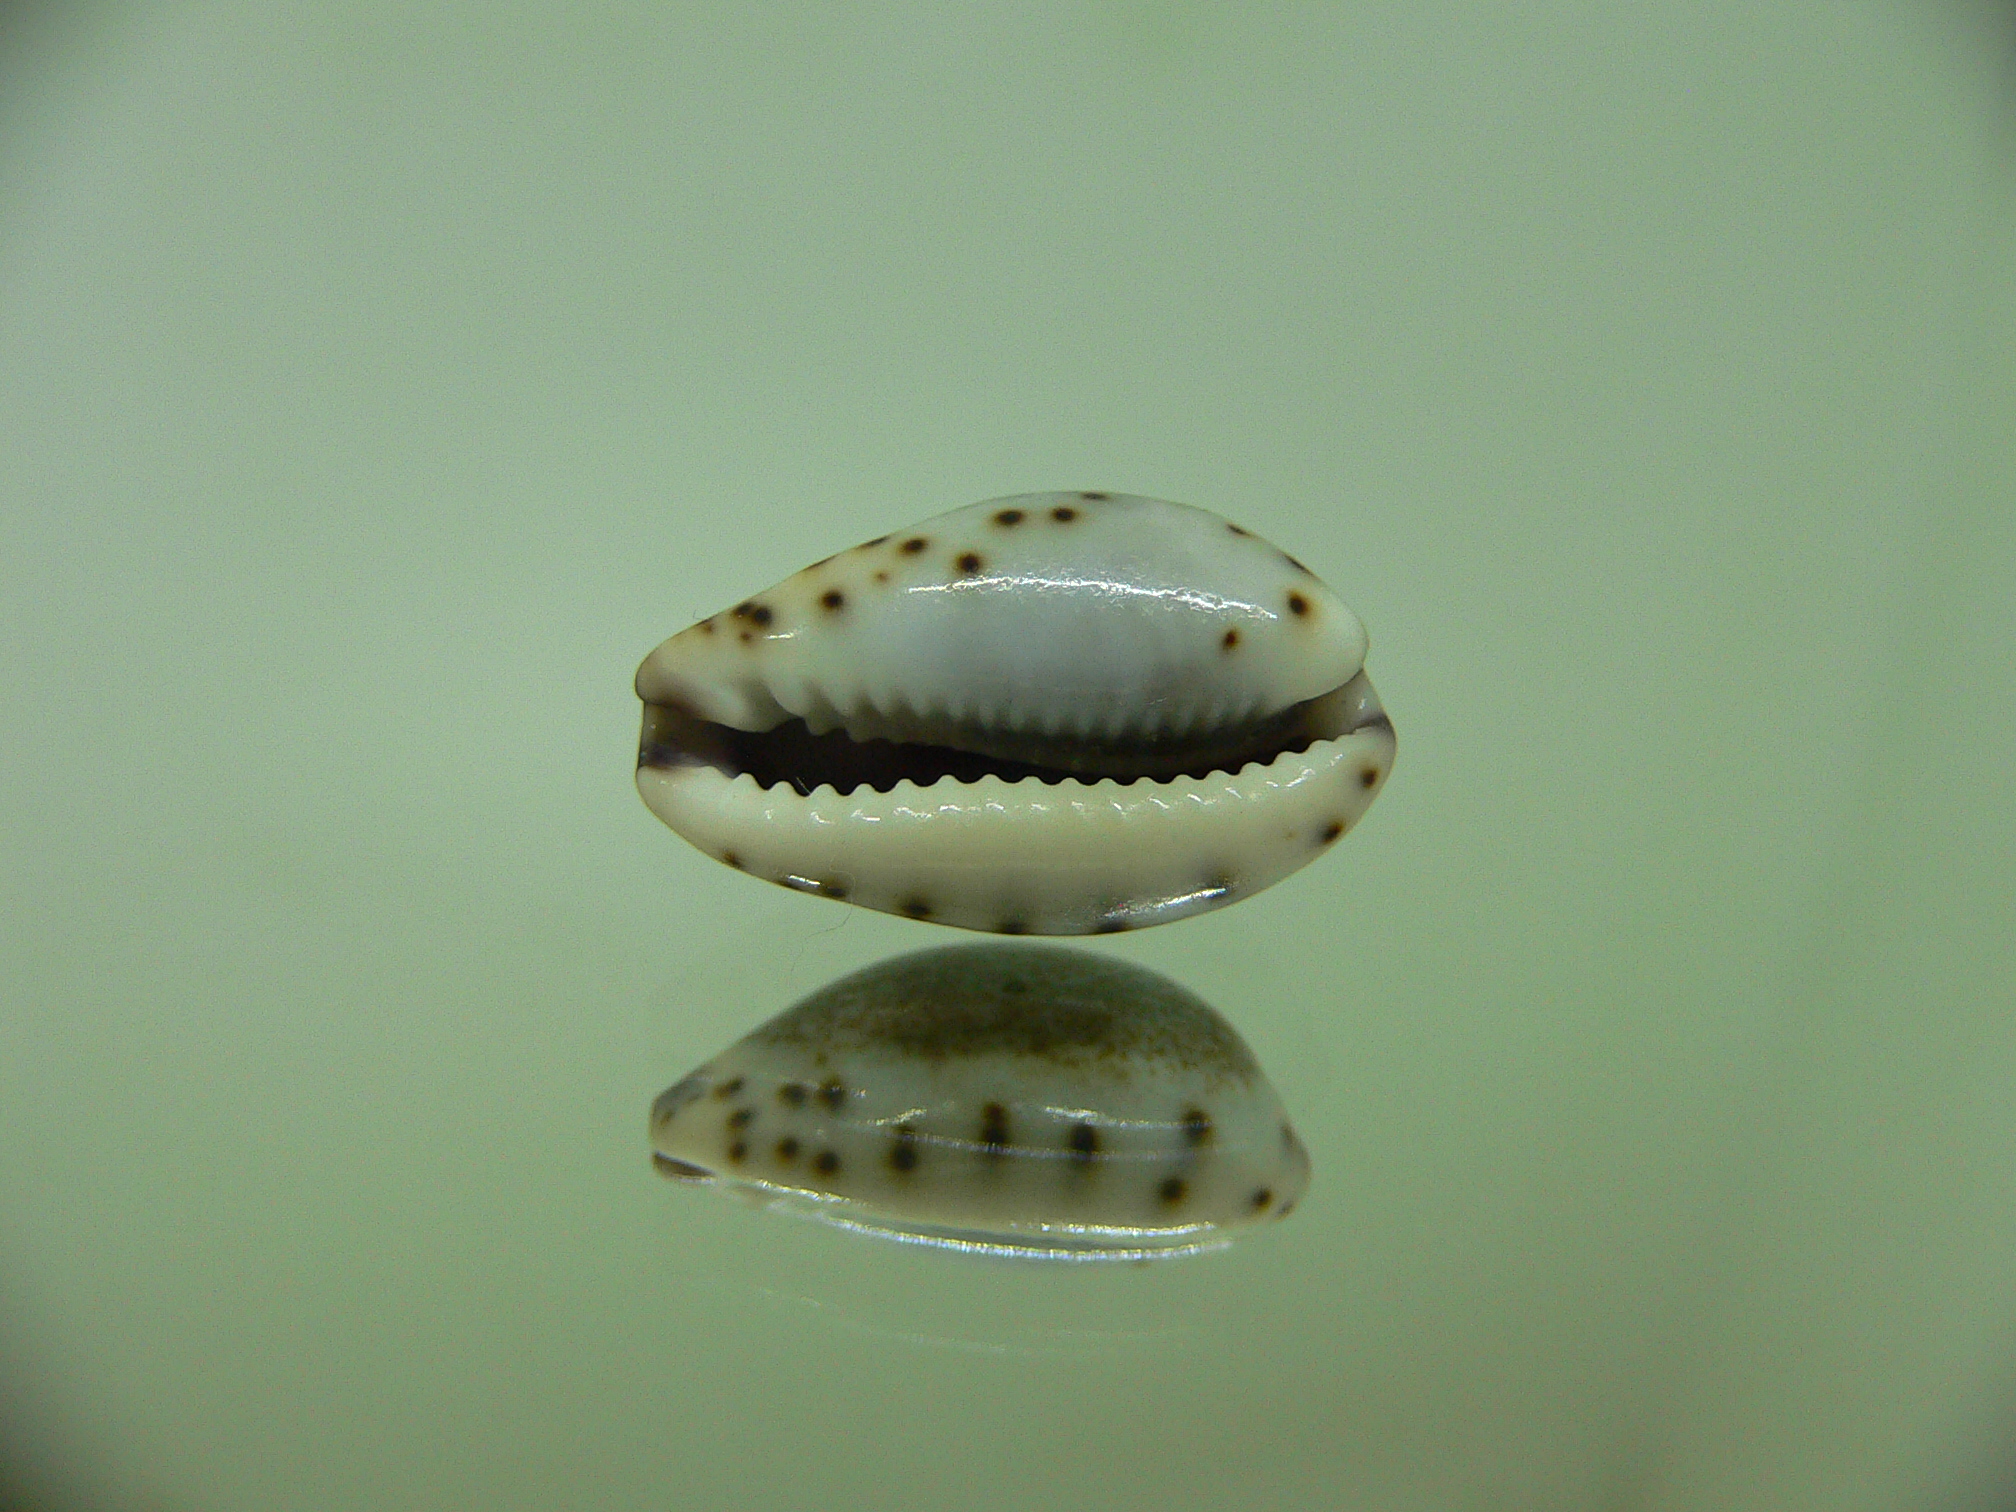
970, 562
707, 626
1284, 1210
1296, 565
1238, 530
1368, 777
903, 1149
1229, 639
1196, 1127
1298, 606
832, 600
732, 858
871, 545
728, 1088
1063, 514
1096, 498
914, 545
1173, 1191
1332, 831
1008, 517
679, 1170
915, 908
1012, 927
1083, 1142
755, 613
1112, 924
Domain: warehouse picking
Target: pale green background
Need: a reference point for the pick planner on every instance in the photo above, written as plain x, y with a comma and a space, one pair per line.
379, 382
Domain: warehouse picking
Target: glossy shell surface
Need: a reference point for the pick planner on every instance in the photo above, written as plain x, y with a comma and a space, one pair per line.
1048, 714
1021, 1100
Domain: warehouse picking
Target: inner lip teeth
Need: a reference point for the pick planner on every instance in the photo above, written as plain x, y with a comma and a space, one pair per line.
792, 753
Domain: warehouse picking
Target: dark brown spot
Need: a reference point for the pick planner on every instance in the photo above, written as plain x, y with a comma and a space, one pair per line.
1297, 605
1012, 926
729, 1088
832, 599
733, 858
914, 545
738, 1151
1237, 530
707, 626
826, 1162
832, 1093
1174, 1190
1261, 1197
747, 636
994, 1128
1083, 1141
1097, 498
1368, 777
787, 1148
741, 1118
1063, 514
915, 908
761, 614
792, 1094
903, 1152
970, 563
1196, 1127
1008, 517
743, 609
1229, 639
1334, 830
881, 576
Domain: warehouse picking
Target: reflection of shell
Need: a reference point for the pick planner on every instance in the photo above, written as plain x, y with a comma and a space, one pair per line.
1051, 714
1021, 1100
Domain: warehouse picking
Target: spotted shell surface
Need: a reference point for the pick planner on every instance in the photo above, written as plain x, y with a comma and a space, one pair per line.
1022, 1100
1050, 714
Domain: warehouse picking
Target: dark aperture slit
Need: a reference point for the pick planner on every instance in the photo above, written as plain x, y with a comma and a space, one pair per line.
675, 736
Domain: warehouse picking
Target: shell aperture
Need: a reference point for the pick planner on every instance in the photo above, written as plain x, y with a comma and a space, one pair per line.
1026, 1100
1047, 714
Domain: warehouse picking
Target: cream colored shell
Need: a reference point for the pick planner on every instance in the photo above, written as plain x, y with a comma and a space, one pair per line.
1022, 1100
1092, 681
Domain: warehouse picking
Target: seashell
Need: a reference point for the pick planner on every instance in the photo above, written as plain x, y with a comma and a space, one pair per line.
1017, 1100
1048, 714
